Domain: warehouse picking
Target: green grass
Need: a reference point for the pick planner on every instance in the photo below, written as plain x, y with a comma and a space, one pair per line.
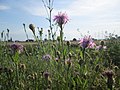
28, 70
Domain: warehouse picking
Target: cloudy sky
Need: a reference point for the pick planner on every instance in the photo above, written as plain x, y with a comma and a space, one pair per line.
92, 17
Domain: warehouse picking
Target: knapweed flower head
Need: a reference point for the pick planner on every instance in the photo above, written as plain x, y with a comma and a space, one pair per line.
108, 73
61, 18
46, 74
87, 42
16, 48
32, 27
100, 47
46, 57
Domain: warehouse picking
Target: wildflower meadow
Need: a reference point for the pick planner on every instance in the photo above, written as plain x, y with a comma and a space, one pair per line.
58, 64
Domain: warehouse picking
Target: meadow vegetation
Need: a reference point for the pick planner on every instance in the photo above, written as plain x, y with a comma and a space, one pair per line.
55, 64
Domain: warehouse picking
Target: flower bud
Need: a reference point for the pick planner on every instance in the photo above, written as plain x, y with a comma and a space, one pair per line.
22, 66
32, 27
58, 38
102, 43
68, 43
46, 74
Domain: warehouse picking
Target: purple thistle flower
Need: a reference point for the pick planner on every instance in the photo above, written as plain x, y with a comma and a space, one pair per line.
46, 57
16, 48
61, 18
87, 42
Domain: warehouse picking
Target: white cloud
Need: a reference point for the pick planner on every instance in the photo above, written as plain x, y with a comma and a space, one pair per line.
37, 11
3, 7
85, 7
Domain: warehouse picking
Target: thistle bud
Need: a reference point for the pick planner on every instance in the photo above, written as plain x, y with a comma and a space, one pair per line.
68, 43
70, 55
46, 74
58, 38
109, 74
68, 62
32, 27
58, 54
24, 24
116, 68
22, 66
8, 30
102, 43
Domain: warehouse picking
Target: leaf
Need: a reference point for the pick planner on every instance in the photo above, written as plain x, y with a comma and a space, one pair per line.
85, 83
15, 57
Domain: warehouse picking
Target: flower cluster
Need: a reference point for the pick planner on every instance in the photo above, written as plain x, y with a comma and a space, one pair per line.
16, 48
61, 18
87, 42
46, 57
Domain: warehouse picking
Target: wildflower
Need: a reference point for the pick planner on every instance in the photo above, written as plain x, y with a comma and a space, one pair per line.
100, 47
58, 54
32, 27
61, 18
10, 71
22, 66
70, 55
116, 68
24, 24
87, 42
109, 74
8, 30
16, 48
102, 43
46, 57
57, 59
68, 62
46, 74
58, 38
68, 43
30, 77
41, 31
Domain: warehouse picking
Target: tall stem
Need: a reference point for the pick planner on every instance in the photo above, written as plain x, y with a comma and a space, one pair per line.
61, 38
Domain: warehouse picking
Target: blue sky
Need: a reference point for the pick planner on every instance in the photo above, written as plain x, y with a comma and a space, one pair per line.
92, 17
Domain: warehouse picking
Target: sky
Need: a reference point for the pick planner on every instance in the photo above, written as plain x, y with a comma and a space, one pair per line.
86, 17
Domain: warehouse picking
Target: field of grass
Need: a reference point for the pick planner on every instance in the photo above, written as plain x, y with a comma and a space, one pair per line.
56, 64
49, 66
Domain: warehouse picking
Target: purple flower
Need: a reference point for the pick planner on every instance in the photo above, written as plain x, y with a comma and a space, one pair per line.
16, 48
46, 57
61, 18
87, 42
